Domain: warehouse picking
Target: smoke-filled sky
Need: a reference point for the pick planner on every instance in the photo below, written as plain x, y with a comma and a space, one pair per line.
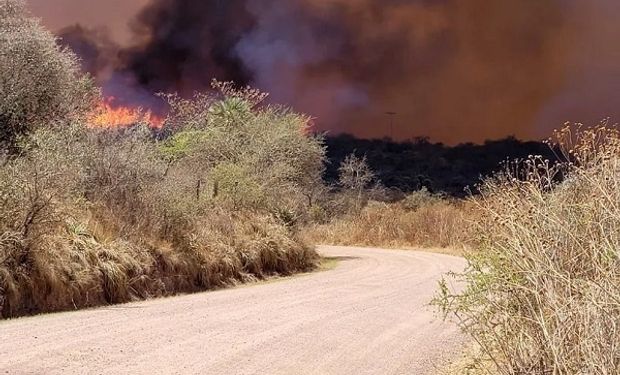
453, 70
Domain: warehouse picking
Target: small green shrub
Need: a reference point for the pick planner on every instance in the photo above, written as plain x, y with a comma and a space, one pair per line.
419, 199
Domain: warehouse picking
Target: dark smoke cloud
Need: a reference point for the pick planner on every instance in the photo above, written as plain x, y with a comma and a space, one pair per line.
184, 44
453, 70
103, 58
97, 51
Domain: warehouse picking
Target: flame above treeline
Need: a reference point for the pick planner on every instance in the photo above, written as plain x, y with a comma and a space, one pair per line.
109, 114
453, 70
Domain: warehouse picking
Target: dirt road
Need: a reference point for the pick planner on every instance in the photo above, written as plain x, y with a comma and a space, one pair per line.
367, 316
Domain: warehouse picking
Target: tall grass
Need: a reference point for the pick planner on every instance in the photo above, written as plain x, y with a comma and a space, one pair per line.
72, 268
543, 289
419, 221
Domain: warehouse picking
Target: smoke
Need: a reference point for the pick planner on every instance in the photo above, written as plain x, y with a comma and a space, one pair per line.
113, 15
184, 44
452, 70
97, 51
591, 87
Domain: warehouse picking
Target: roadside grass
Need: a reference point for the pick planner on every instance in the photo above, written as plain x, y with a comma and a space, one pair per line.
468, 363
72, 270
542, 290
440, 226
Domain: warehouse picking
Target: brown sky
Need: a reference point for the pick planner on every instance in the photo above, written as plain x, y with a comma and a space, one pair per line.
112, 14
569, 70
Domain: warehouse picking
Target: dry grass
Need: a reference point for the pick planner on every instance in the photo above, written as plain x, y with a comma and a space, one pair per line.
543, 289
466, 364
439, 225
98, 216
90, 218
71, 268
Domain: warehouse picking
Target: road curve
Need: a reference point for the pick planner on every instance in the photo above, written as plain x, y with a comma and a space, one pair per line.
370, 315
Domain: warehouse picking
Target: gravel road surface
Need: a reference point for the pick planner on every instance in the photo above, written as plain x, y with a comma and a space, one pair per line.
369, 315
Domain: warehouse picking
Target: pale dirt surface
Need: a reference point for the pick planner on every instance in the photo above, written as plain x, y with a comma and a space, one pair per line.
369, 315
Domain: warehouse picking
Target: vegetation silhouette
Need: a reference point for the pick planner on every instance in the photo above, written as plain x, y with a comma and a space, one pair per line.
409, 166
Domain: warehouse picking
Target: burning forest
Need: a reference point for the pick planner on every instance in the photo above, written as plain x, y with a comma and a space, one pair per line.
141, 156
109, 114
450, 70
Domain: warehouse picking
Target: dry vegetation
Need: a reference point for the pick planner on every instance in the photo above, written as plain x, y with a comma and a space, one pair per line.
542, 291
421, 220
361, 212
543, 287
91, 216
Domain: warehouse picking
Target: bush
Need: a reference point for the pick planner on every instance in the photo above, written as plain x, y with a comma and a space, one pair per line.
542, 291
249, 155
107, 215
91, 217
419, 199
40, 83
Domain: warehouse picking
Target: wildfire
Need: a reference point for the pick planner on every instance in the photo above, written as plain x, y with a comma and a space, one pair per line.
109, 115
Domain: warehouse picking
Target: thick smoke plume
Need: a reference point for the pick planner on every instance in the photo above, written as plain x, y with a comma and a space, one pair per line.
452, 70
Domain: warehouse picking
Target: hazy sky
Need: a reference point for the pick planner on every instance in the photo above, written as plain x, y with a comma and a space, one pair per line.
112, 14
450, 72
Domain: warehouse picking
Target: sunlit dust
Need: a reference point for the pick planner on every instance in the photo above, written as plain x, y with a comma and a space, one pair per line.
110, 115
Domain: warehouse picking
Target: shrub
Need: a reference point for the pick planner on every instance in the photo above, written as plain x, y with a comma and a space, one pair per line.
542, 292
250, 155
107, 215
90, 217
236, 187
40, 82
419, 199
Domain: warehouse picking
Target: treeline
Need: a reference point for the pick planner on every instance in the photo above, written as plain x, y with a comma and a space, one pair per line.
412, 165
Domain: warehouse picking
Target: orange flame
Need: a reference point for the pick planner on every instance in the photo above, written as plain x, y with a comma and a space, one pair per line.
108, 115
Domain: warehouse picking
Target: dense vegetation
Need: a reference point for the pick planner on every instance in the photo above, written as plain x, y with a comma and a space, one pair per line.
542, 290
413, 165
91, 216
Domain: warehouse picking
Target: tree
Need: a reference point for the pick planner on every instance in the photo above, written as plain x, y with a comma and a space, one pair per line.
355, 175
